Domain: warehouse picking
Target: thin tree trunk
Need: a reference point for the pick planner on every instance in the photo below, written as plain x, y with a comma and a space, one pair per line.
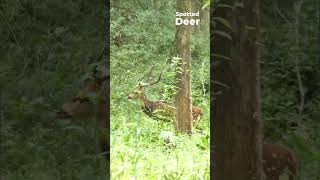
205, 18
156, 4
298, 6
183, 98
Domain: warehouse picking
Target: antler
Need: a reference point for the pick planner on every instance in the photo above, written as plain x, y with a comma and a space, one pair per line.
159, 78
150, 73
155, 82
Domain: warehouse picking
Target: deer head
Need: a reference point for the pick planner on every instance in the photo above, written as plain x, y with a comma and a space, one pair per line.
83, 110
82, 107
138, 92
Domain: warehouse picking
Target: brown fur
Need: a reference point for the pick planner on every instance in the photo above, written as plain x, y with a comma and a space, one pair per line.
97, 87
196, 113
149, 106
81, 108
276, 159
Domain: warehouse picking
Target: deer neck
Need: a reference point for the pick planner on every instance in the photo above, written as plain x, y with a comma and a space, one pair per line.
145, 99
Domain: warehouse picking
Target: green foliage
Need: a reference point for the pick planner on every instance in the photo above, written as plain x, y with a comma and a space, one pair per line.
287, 43
144, 147
46, 48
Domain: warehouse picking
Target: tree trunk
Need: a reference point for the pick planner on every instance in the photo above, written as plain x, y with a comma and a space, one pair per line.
195, 7
237, 138
204, 15
183, 98
205, 19
156, 4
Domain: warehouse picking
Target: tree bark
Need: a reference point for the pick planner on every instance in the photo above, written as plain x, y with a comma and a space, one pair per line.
156, 4
205, 18
237, 152
204, 15
183, 98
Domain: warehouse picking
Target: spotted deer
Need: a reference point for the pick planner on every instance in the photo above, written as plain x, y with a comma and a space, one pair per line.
82, 108
151, 107
276, 160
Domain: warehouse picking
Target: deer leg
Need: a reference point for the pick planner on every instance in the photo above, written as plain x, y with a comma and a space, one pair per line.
292, 166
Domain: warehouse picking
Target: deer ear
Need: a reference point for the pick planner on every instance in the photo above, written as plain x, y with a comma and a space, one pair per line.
142, 83
138, 85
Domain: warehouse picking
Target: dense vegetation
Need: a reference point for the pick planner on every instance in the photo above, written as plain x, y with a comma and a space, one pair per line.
142, 40
48, 47
290, 61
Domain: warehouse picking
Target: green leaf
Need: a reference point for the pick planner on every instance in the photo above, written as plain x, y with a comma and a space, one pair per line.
222, 33
223, 21
250, 27
222, 56
224, 6
206, 4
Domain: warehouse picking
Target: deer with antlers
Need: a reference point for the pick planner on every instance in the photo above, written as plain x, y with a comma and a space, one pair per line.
91, 106
152, 107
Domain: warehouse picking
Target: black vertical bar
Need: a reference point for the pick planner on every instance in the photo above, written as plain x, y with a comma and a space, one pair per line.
107, 58
318, 21
211, 90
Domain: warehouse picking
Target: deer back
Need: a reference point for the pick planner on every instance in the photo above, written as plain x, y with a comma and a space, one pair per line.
83, 106
196, 113
276, 159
